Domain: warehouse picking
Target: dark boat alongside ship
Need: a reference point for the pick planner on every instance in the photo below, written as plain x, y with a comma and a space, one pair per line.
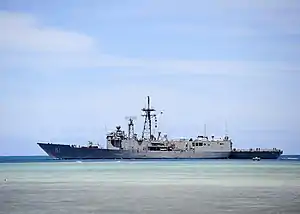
128, 146
256, 153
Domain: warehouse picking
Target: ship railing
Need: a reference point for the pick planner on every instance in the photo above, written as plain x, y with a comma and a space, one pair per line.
49, 142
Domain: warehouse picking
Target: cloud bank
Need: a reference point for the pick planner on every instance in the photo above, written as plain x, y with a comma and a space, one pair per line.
30, 45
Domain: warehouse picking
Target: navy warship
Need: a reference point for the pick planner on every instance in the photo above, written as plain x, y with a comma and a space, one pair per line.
129, 146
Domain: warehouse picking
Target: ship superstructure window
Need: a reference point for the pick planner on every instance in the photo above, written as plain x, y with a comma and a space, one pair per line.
198, 144
221, 143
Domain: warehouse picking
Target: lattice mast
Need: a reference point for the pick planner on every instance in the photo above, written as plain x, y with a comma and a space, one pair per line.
147, 131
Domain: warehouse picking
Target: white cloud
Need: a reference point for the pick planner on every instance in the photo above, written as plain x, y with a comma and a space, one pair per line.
28, 44
21, 32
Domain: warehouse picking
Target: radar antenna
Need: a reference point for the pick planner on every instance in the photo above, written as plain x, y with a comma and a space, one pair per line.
130, 126
147, 131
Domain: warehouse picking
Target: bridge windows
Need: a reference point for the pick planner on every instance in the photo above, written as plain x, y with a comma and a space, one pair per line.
197, 144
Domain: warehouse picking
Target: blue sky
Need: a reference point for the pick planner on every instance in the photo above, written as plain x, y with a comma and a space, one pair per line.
71, 68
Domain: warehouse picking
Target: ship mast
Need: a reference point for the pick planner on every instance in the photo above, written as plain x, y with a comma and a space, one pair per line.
226, 128
147, 131
130, 126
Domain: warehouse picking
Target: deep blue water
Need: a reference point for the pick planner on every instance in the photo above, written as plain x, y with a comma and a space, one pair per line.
32, 159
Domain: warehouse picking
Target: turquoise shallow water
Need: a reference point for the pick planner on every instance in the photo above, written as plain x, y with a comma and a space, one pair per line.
215, 186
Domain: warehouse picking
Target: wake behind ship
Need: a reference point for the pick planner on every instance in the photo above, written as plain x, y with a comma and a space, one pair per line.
128, 146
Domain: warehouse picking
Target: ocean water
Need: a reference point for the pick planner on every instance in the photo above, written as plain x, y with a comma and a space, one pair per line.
41, 185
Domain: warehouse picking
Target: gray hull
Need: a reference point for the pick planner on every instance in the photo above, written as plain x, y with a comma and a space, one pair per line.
61, 151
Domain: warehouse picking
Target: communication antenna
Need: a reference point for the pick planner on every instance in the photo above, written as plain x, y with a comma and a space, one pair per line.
157, 120
226, 128
204, 130
130, 118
